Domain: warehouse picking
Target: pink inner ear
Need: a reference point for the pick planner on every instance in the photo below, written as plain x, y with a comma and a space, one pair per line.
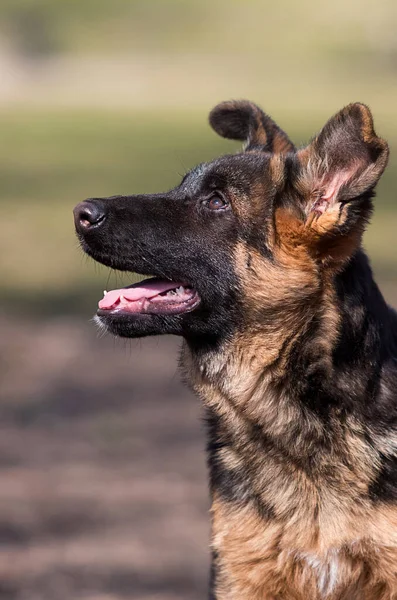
333, 185
330, 186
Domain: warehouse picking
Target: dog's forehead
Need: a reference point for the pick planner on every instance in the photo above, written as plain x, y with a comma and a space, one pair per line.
193, 180
237, 170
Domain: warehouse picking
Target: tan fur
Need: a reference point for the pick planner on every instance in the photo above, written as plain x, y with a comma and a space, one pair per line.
350, 560
281, 145
316, 522
319, 526
260, 135
325, 535
315, 236
317, 535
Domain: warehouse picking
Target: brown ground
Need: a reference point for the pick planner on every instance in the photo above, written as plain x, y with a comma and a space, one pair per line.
103, 490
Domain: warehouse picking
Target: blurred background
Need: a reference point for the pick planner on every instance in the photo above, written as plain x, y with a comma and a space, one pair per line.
102, 469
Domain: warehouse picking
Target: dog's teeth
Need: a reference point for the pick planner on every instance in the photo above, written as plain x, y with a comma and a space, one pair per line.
179, 290
104, 292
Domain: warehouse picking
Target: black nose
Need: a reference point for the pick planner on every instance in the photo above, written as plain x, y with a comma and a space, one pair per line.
88, 214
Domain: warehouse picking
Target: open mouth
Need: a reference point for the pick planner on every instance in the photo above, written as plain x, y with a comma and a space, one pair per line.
150, 297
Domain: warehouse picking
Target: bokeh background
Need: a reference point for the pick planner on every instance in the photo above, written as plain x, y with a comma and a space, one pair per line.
102, 466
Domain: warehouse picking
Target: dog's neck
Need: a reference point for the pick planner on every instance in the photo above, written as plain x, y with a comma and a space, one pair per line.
297, 381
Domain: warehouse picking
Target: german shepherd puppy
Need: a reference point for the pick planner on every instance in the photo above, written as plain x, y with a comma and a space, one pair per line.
258, 265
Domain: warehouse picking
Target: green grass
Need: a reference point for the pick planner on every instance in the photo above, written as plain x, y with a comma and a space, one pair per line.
51, 161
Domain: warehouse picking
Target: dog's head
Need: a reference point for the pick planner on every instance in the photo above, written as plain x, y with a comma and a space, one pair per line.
241, 238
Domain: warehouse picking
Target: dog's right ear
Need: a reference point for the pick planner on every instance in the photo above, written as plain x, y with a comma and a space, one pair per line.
245, 121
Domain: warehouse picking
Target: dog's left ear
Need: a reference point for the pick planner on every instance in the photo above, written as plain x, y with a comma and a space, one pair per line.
334, 178
245, 121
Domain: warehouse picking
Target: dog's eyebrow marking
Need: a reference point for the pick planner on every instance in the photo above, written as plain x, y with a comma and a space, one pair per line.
191, 183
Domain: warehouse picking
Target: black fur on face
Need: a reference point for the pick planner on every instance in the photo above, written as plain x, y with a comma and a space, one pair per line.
186, 235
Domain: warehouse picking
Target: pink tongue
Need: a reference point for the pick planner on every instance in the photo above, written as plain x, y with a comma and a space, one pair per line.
145, 289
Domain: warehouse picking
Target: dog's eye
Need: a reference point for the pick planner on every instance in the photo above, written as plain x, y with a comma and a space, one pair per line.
215, 202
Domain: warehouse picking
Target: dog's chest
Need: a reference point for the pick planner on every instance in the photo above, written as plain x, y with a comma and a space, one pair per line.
293, 575
326, 570
273, 560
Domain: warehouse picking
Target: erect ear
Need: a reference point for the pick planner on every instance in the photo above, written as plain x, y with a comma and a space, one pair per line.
243, 120
345, 161
335, 178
